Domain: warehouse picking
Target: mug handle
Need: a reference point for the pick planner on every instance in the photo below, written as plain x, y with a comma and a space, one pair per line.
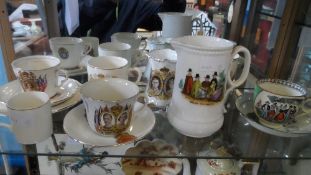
186, 167
64, 73
139, 73
233, 84
144, 43
87, 47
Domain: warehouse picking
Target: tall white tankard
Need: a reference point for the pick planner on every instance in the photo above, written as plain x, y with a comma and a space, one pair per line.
201, 80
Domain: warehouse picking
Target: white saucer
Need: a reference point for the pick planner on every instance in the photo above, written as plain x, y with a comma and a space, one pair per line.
77, 127
69, 96
301, 127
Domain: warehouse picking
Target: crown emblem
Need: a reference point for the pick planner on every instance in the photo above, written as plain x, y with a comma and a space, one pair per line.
164, 69
28, 80
116, 110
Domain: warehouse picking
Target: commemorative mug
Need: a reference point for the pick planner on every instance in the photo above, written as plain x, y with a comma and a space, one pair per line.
278, 102
93, 42
69, 50
162, 75
109, 104
39, 73
133, 39
116, 49
202, 83
110, 67
31, 117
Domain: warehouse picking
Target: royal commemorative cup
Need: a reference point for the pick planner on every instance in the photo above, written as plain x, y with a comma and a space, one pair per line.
109, 104
38, 73
116, 49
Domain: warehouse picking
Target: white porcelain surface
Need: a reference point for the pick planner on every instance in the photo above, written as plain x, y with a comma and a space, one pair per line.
77, 127
302, 126
67, 90
109, 104
217, 166
12, 88
69, 50
161, 76
107, 67
37, 73
31, 117
116, 49
205, 56
175, 24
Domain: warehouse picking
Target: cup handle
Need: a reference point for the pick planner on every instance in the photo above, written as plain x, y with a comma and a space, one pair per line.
3, 109
144, 43
233, 84
66, 76
137, 70
255, 166
87, 47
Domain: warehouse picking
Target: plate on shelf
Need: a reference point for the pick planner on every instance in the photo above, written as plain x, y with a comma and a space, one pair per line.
77, 127
301, 127
68, 97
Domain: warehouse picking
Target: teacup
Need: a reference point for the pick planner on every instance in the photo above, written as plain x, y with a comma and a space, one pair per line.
38, 73
70, 50
132, 39
110, 67
94, 42
109, 104
31, 116
116, 49
279, 101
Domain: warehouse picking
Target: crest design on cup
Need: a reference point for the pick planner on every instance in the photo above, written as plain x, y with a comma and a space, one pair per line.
161, 83
113, 119
63, 53
30, 82
203, 89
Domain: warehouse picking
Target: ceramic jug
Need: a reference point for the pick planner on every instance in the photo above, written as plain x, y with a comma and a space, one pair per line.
175, 24
201, 80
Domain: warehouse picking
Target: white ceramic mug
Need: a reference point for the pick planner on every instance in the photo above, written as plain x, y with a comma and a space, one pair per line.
94, 42
38, 73
31, 117
161, 76
110, 67
116, 49
109, 104
132, 39
201, 83
175, 24
69, 50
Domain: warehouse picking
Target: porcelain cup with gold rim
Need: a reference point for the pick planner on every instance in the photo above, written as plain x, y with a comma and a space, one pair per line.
116, 48
38, 73
110, 67
31, 117
278, 102
69, 50
109, 104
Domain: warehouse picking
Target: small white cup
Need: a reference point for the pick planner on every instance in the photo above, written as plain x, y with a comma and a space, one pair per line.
94, 42
70, 50
110, 67
116, 49
31, 117
132, 39
38, 73
109, 104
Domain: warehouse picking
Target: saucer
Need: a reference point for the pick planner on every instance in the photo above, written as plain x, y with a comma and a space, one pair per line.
69, 96
77, 127
301, 127
66, 91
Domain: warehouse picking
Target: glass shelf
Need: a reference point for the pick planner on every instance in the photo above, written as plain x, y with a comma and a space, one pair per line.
237, 136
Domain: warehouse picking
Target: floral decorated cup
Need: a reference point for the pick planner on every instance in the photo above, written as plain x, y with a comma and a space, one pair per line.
109, 104
278, 101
